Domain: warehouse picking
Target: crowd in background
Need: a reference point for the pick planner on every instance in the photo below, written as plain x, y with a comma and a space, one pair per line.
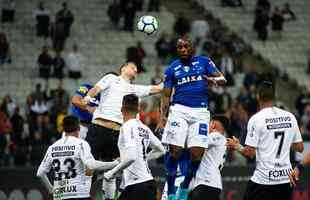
264, 16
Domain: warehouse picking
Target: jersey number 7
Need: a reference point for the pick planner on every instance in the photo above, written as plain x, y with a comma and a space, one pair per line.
276, 135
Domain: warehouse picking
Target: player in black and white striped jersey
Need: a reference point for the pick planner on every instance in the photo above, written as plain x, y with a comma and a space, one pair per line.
71, 160
271, 134
208, 179
134, 140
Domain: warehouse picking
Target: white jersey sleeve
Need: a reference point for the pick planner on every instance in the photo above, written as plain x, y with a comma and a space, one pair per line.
85, 153
297, 135
46, 163
127, 137
212, 141
105, 81
252, 137
142, 90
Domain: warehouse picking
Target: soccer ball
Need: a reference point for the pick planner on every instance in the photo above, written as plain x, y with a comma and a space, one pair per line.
147, 24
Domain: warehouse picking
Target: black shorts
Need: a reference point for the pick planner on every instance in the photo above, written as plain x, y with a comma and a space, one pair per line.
145, 191
256, 191
103, 142
204, 191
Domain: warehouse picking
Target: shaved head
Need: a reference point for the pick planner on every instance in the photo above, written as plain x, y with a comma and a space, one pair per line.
184, 48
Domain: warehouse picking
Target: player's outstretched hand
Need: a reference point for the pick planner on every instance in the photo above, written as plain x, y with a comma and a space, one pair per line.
108, 175
233, 143
210, 80
294, 177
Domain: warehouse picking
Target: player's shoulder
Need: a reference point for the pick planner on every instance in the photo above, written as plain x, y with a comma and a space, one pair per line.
201, 58
216, 137
174, 65
110, 76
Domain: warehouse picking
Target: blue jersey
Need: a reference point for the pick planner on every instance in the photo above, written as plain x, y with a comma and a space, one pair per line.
83, 115
191, 89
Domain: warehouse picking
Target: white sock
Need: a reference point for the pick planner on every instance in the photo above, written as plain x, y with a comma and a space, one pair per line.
108, 188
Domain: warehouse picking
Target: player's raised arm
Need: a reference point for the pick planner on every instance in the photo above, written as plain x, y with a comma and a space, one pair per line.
78, 101
92, 164
43, 169
214, 76
157, 88
101, 85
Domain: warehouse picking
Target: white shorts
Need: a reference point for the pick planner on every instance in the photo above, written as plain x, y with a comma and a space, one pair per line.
187, 127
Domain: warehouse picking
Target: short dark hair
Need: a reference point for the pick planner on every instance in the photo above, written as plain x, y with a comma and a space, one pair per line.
111, 72
223, 120
71, 124
131, 103
266, 91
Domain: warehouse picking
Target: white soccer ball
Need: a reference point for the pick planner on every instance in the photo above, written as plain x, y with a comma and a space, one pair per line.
147, 24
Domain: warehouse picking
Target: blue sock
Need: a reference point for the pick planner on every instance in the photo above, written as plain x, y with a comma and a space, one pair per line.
171, 165
191, 172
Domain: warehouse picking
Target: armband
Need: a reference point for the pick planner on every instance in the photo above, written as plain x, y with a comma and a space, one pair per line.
220, 78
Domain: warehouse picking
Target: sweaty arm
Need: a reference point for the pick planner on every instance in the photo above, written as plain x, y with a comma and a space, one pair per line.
92, 164
251, 140
156, 88
247, 151
158, 149
43, 169
306, 161
164, 107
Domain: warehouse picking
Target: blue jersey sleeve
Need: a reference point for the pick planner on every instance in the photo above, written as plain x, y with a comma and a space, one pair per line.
168, 82
210, 66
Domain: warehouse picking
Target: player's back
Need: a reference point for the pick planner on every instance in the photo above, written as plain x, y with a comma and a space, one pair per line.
272, 131
209, 172
70, 180
135, 134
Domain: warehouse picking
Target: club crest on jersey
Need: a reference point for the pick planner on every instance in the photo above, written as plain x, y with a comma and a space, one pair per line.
177, 73
189, 79
186, 68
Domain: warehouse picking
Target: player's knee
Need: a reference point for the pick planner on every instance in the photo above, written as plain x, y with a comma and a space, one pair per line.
196, 153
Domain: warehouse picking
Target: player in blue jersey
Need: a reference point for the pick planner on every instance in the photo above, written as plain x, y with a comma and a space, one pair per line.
187, 124
82, 111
